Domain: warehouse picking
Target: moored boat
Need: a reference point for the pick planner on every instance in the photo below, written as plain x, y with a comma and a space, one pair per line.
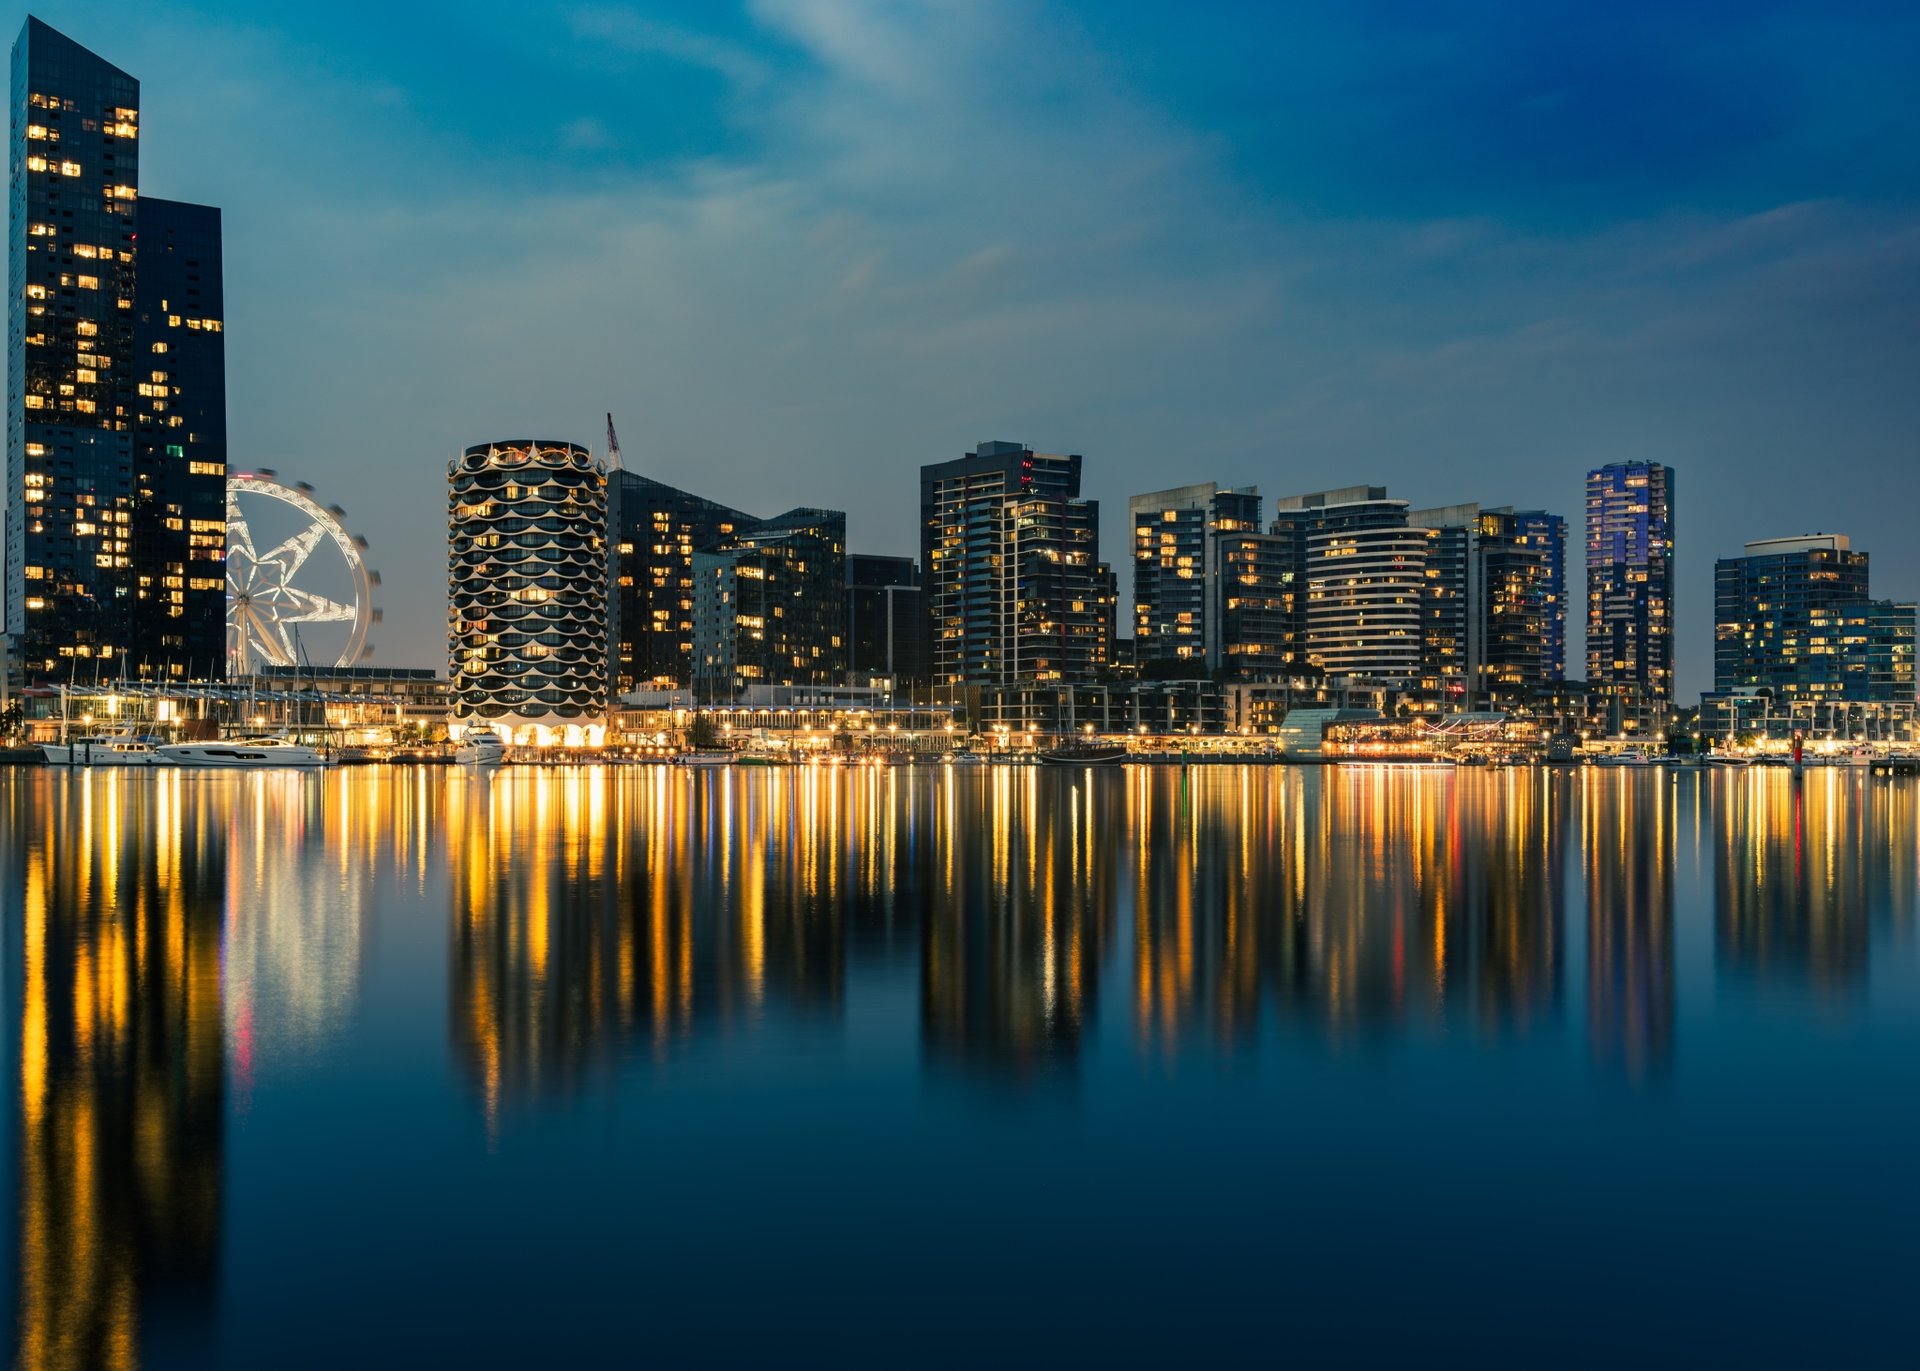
102, 749
254, 753
1084, 754
480, 748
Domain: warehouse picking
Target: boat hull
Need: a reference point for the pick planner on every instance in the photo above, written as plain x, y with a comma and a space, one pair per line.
79, 754
1091, 756
243, 756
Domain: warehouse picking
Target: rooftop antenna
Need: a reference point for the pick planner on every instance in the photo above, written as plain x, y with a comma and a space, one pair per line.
613, 445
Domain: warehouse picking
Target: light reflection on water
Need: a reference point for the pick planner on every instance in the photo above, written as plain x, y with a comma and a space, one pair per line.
192, 960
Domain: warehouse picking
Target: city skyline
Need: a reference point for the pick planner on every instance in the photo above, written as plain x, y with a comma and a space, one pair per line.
781, 339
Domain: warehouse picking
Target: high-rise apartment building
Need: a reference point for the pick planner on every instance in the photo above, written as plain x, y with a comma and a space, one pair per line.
1178, 580
528, 566
1016, 591
1523, 581
1793, 617
658, 529
770, 607
1630, 609
1365, 573
1494, 606
116, 423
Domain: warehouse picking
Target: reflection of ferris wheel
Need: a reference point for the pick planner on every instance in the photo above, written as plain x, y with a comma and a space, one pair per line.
271, 591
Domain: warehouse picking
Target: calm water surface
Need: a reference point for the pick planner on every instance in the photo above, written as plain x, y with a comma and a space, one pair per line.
999, 1067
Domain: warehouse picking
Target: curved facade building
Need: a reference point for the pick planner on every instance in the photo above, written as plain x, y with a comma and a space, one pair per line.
527, 581
1366, 575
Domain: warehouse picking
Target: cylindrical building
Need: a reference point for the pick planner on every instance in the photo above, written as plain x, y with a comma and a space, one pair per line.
527, 580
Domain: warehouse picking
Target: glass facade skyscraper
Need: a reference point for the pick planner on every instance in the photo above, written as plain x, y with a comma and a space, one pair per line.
1793, 618
1630, 589
179, 443
658, 530
116, 417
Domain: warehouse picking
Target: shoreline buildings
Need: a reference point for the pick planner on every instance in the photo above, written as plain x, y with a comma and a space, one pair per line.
116, 421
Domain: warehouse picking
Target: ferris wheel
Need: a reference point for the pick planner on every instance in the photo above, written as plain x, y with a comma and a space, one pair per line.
273, 593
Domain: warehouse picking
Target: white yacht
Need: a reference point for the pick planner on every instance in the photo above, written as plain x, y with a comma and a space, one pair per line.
102, 749
480, 747
254, 753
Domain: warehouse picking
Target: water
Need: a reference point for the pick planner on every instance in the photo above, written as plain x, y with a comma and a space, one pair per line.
995, 1067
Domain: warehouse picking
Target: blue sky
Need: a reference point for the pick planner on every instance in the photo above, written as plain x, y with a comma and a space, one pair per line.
800, 247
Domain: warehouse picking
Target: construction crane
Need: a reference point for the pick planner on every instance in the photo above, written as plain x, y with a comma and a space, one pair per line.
613, 444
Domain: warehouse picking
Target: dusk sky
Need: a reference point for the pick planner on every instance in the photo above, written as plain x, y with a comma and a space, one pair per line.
801, 247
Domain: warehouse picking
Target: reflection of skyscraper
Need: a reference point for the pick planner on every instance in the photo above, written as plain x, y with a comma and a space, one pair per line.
593, 911
1405, 900
117, 888
1799, 875
1017, 924
1627, 840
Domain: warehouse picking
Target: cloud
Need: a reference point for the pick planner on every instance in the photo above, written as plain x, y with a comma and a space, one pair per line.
630, 31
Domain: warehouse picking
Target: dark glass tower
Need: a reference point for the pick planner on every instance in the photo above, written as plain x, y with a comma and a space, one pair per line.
659, 528
179, 444
886, 620
101, 512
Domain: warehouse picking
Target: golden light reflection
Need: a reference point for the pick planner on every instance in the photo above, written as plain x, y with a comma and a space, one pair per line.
121, 1070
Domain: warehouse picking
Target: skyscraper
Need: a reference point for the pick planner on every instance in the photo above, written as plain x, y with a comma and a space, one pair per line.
770, 606
527, 579
1365, 572
116, 424
1178, 572
657, 531
180, 443
1494, 610
1793, 618
1630, 589
1016, 591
